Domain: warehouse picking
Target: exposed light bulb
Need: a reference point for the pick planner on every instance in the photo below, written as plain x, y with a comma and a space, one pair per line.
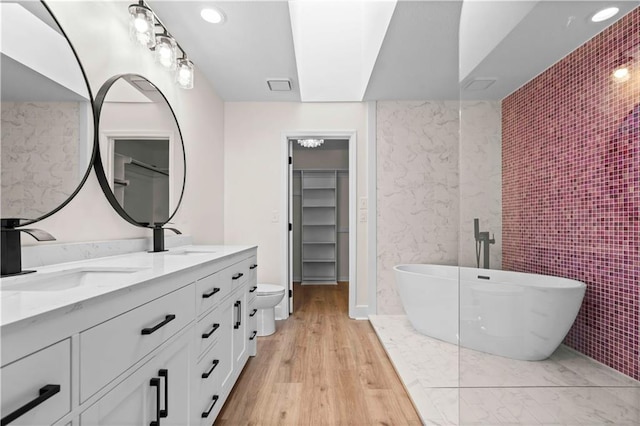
605, 14
166, 51
185, 74
141, 24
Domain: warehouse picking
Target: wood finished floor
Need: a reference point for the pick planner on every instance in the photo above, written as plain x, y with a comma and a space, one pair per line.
319, 368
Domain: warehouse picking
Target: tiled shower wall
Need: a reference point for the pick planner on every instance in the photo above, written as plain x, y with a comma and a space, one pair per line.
571, 187
437, 170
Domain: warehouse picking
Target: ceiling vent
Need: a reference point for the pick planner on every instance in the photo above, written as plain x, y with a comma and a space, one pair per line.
279, 85
478, 84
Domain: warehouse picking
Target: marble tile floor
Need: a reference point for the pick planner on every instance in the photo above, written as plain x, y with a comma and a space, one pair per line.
458, 386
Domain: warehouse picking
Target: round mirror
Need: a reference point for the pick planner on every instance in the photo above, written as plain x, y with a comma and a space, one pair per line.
47, 124
140, 161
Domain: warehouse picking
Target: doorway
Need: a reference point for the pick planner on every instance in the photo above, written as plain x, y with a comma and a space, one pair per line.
319, 188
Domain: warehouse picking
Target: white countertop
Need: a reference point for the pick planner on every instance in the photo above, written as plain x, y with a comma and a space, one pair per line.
19, 305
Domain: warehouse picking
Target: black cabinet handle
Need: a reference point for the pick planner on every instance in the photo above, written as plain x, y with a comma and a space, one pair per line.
165, 373
253, 336
207, 335
208, 295
254, 288
206, 413
166, 321
253, 312
238, 275
155, 383
208, 373
44, 393
238, 305
254, 266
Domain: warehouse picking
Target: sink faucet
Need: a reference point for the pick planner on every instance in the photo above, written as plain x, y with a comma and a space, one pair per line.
158, 237
482, 242
10, 249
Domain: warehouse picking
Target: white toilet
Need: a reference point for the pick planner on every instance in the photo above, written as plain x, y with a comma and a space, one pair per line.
267, 297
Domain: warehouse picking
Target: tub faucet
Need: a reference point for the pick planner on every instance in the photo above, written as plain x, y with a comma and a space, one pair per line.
11, 250
482, 243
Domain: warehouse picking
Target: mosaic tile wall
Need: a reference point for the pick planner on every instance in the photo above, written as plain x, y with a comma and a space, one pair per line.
571, 187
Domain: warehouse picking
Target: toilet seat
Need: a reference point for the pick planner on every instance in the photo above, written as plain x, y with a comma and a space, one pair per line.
269, 289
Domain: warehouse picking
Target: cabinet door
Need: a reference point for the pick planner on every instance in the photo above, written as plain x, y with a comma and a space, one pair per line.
240, 329
134, 402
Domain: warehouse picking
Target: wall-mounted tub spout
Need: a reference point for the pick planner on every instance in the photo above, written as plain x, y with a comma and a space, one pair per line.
482, 243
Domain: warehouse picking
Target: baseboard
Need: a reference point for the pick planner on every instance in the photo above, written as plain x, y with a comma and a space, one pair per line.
360, 312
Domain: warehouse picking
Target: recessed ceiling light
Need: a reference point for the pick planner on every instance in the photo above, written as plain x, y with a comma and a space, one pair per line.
605, 14
212, 15
621, 74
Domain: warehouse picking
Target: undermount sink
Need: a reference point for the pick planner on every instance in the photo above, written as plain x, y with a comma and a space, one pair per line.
65, 280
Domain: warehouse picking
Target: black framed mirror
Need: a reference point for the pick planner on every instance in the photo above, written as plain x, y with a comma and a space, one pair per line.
140, 161
47, 115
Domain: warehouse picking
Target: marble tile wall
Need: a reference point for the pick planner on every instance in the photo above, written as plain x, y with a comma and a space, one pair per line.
431, 183
417, 186
39, 167
480, 179
571, 188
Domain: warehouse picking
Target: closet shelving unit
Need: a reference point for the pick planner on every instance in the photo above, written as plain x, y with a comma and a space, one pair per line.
319, 227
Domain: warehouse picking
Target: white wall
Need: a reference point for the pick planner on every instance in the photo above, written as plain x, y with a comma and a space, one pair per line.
253, 175
99, 32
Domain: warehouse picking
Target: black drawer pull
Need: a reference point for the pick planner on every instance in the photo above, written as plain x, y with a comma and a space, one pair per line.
238, 275
253, 312
254, 288
166, 321
155, 383
207, 335
254, 266
44, 393
208, 373
208, 295
206, 413
253, 336
165, 373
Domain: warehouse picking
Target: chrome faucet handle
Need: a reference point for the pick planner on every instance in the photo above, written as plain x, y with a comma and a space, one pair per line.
38, 234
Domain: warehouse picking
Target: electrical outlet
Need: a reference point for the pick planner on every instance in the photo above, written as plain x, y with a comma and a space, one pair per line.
362, 216
363, 202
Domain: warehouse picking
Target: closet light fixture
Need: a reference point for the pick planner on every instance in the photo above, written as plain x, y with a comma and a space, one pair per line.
146, 29
310, 143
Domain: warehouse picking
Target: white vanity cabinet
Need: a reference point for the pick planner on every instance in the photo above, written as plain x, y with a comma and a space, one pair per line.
166, 351
37, 389
153, 393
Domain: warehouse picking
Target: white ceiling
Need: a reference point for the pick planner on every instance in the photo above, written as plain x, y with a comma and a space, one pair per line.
418, 58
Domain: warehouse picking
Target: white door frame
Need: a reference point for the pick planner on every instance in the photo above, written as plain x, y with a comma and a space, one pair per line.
282, 310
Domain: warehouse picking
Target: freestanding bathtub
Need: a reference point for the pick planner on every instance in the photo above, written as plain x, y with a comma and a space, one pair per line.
511, 314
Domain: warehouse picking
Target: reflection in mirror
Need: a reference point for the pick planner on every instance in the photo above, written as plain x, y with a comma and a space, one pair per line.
141, 151
47, 120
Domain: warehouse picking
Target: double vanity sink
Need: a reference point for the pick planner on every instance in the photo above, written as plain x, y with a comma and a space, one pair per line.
115, 340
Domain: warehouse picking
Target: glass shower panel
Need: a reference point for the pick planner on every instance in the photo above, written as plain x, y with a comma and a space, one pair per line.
549, 162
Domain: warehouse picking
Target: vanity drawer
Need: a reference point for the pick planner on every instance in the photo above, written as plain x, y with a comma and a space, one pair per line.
208, 330
212, 289
42, 376
108, 349
207, 384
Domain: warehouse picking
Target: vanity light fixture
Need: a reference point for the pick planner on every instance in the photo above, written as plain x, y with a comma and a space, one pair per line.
184, 74
166, 51
310, 142
142, 27
605, 14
